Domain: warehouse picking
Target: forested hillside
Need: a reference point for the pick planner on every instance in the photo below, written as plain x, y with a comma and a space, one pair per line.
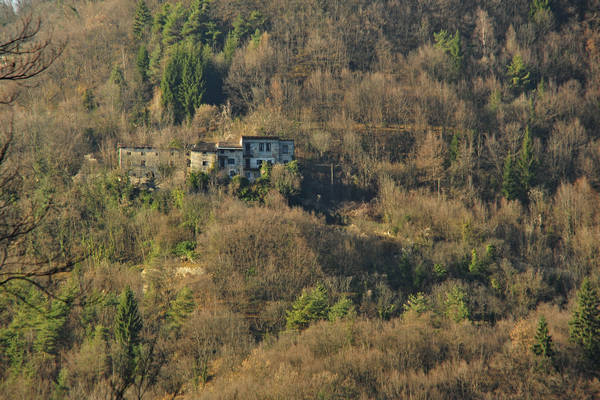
438, 236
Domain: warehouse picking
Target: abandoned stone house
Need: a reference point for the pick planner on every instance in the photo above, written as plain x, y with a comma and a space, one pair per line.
244, 158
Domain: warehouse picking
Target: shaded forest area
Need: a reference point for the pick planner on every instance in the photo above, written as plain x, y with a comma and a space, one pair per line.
437, 238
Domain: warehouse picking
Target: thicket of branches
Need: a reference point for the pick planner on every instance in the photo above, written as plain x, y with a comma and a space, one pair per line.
438, 236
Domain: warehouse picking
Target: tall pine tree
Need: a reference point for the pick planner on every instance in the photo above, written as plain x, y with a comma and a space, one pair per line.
584, 326
142, 20
128, 321
172, 31
127, 329
511, 189
182, 84
543, 341
527, 163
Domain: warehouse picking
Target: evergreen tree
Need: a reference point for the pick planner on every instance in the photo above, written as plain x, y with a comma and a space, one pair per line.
142, 20
127, 329
527, 164
457, 307
180, 308
520, 77
584, 326
182, 84
160, 19
128, 321
511, 189
538, 5
454, 147
198, 27
143, 63
310, 306
231, 44
452, 45
172, 31
89, 100
543, 341
343, 308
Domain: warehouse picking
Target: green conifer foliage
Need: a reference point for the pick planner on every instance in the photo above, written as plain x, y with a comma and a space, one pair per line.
527, 163
180, 308
543, 341
343, 308
584, 326
160, 19
173, 28
456, 303
142, 20
143, 63
518, 73
417, 303
127, 330
198, 27
310, 306
128, 321
454, 147
182, 83
511, 188
538, 5
452, 45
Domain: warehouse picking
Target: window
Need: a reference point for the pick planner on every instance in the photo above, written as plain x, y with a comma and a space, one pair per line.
222, 151
128, 153
172, 163
247, 163
231, 161
143, 163
268, 146
204, 163
285, 149
258, 163
155, 154
172, 153
189, 162
232, 173
247, 147
142, 153
261, 147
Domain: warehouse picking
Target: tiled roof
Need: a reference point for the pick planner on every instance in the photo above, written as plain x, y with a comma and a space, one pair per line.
261, 137
204, 146
228, 145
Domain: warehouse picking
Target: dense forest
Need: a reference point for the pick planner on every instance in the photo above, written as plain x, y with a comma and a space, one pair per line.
438, 236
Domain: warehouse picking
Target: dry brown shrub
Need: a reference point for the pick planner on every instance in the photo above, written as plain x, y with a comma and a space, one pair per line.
260, 254
416, 213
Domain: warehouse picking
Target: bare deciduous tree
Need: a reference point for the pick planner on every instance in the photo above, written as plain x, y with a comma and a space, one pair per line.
23, 55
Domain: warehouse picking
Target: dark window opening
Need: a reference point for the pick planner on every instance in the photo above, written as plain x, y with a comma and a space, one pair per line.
143, 163
231, 161
268, 146
261, 147
285, 149
247, 163
247, 146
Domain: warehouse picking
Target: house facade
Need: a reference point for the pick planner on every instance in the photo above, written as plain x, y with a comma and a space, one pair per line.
243, 158
149, 162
